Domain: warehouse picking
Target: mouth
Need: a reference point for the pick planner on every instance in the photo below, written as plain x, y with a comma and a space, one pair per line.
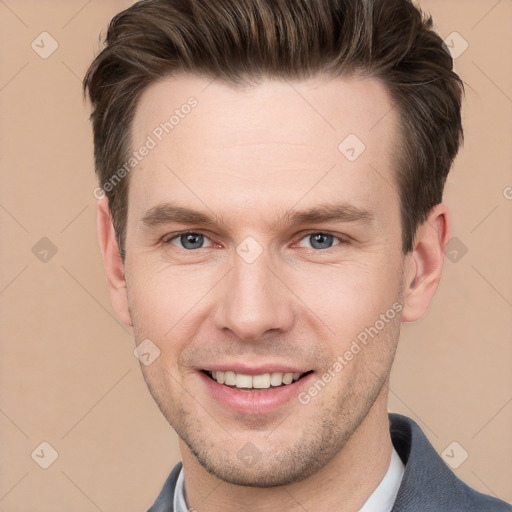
260, 382
255, 390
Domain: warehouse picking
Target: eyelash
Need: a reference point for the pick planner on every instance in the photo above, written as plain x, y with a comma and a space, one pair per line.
342, 240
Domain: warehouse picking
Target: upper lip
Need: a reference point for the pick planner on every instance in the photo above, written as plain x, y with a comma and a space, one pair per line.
254, 369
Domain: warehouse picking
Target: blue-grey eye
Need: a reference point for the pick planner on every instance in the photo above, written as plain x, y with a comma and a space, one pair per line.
320, 240
189, 241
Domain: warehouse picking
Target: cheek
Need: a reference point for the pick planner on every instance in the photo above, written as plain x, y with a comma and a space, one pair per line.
349, 298
162, 296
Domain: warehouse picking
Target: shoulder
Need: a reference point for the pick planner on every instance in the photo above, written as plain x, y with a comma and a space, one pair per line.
428, 484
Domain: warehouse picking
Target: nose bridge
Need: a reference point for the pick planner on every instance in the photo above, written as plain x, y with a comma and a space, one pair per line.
253, 299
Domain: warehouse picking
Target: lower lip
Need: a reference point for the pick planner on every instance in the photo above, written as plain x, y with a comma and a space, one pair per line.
254, 402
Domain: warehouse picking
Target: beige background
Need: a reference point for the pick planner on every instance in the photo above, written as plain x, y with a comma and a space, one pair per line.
68, 373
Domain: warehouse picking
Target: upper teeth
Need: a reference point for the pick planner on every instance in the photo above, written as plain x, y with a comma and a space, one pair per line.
263, 381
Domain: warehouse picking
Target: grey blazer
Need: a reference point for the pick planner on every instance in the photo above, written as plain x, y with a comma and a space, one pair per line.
428, 484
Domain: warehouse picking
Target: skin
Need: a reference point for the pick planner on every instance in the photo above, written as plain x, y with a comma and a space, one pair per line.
248, 156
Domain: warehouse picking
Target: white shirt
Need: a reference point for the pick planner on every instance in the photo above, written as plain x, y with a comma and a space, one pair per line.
381, 500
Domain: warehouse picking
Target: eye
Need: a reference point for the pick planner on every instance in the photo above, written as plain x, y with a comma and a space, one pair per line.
319, 240
189, 241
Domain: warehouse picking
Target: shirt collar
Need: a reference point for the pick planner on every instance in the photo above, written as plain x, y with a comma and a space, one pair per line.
180, 505
384, 496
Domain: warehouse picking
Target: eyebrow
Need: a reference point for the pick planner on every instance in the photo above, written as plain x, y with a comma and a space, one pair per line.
167, 213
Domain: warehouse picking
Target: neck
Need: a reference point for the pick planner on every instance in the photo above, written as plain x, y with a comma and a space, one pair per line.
349, 478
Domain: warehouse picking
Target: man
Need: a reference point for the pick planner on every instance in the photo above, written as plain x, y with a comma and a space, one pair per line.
273, 173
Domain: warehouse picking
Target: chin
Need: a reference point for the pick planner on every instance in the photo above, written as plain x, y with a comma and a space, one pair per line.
263, 474
277, 465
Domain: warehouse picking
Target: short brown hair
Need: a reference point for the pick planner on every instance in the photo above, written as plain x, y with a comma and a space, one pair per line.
244, 41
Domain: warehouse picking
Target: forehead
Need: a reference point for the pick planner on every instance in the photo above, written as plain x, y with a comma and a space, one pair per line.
249, 148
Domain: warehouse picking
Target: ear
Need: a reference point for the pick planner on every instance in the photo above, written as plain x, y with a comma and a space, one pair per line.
114, 267
425, 262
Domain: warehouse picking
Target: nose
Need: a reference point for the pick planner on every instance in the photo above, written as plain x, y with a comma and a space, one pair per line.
254, 300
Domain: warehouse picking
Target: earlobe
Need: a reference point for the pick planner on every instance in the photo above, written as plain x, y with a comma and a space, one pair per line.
424, 263
114, 267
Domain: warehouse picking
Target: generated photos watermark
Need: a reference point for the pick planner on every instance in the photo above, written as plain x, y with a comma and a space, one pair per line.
151, 142
355, 348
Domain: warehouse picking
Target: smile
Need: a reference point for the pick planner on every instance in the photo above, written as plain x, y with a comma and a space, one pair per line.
262, 381
254, 390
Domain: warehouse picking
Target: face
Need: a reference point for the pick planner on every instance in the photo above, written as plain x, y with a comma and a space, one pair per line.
261, 251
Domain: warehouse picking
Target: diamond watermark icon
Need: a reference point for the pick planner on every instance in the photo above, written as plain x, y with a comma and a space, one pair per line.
454, 455
351, 147
44, 250
146, 352
249, 249
455, 45
249, 455
455, 250
44, 45
45, 455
